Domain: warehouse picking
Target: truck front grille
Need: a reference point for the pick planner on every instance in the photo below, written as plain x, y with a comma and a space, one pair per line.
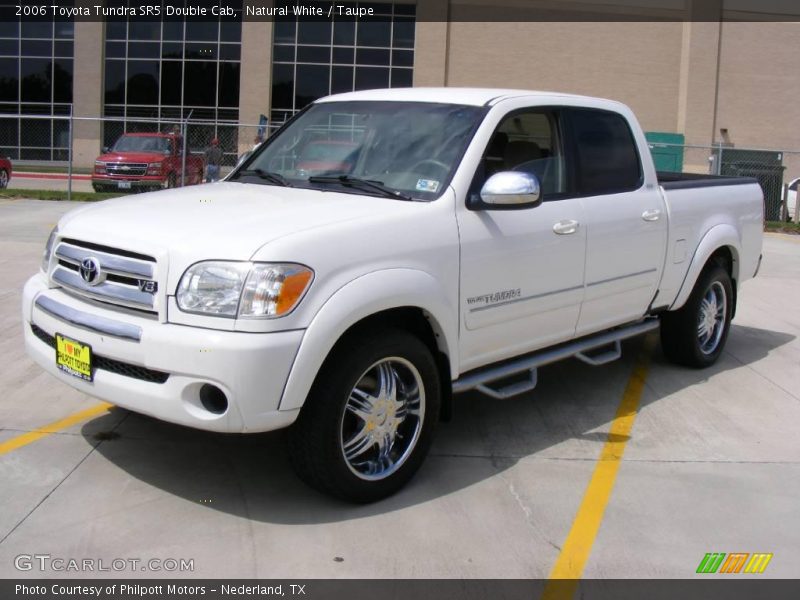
107, 274
126, 169
109, 364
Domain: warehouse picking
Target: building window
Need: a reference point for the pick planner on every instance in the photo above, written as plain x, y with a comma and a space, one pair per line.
314, 58
163, 71
36, 66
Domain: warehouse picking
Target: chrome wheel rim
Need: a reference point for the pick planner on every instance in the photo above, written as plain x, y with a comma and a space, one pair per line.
711, 320
382, 419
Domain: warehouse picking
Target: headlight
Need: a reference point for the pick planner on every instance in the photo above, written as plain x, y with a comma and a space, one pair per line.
99, 166
243, 289
48, 249
154, 168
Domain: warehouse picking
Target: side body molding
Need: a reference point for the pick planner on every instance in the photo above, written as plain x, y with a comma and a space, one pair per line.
716, 238
370, 294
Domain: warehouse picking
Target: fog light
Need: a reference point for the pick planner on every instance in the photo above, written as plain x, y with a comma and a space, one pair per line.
213, 399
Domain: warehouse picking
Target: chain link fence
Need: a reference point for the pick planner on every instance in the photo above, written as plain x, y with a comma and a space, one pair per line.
61, 152
775, 170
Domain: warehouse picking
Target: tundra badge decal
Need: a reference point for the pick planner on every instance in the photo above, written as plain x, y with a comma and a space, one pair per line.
494, 298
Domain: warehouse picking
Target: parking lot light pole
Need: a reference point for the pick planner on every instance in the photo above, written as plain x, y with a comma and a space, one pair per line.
69, 154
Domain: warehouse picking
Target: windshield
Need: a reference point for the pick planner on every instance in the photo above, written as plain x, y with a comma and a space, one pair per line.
134, 143
409, 147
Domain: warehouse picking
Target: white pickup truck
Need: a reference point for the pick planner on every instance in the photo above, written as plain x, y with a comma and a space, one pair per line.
380, 252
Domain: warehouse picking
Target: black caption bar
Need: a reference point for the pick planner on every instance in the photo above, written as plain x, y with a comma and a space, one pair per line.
422, 10
418, 589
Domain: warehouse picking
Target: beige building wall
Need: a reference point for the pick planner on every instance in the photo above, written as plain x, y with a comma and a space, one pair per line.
636, 63
87, 91
759, 88
255, 78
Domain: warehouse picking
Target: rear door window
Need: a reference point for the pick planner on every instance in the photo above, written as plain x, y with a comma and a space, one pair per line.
606, 157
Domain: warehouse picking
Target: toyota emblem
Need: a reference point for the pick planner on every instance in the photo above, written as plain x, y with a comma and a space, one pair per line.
90, 270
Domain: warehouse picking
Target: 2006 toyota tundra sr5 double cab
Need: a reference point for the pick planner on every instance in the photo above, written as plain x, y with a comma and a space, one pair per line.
468, 237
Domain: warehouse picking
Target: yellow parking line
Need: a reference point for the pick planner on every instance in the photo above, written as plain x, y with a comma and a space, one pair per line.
32, 436
578, 545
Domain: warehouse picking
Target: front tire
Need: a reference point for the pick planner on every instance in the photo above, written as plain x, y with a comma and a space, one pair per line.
3, 179
695, 335
369, 419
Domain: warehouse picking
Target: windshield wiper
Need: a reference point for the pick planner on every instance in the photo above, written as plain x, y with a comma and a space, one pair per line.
266, 176
364, 184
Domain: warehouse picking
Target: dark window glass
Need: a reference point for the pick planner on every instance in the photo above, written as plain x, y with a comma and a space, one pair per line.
62, 80
230, 52
9, 79
200, 83
171, 77
115, 82
63, 49
173, 30
9, 29
402, 77
282, 86
9, 48
201, 51
142, 82
283, 53
607, 158
116, 30
343, 55
314, 32
341, 80
374, 33
37, 48
172, 50
368, 56
402, 58
36, 79
64, 29
229, 84
61, 134
231, 31
202, 31
405, 9
37, 29
144, 30
404, 33
115, 49
35, 132
314, 54
284, 32
9, 132
344, 33
144, 50
312, 83
368, 78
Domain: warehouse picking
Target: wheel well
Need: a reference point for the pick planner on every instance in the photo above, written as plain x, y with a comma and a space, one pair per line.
414, 320
725, 257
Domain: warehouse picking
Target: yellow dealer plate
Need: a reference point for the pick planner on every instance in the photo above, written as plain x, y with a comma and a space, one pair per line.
74, 357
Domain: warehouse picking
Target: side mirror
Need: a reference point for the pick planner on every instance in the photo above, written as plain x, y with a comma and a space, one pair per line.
509, 190
104, 150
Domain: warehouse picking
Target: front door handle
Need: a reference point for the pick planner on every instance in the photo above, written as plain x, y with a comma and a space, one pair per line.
566, 227
653, 214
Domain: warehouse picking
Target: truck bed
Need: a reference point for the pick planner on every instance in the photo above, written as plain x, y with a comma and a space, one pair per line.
682, 181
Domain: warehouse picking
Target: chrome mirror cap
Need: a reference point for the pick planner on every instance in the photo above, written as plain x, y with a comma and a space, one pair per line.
511, 188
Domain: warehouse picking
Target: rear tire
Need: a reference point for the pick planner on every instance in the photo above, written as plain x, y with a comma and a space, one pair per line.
695, 335
369, 419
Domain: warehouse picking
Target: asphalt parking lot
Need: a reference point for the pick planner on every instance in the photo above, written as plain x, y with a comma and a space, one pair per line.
711, 464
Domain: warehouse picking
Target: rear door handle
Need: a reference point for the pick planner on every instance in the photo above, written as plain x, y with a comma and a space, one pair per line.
566, 227
653, 214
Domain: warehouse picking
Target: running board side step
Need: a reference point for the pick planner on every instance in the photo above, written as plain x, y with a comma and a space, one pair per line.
582, 349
